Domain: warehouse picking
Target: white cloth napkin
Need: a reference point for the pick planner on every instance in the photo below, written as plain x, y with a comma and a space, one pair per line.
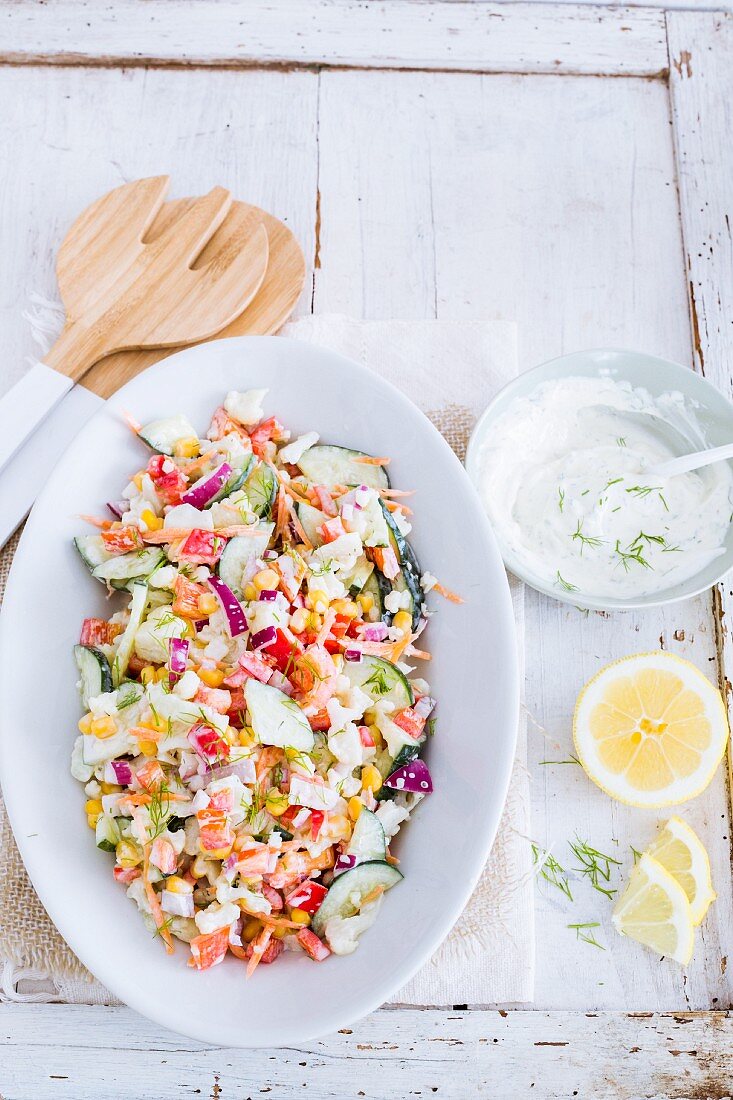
450, 371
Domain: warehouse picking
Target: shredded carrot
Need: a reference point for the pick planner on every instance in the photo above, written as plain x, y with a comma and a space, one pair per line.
372, 895
396, 493
269, 757
447, 594
291, 491
328, 620
368, 460
278, 922
281, 513
393, 506
259, 946
97, 521
197, 463
155, 903
172, 534
421, 654
133, 424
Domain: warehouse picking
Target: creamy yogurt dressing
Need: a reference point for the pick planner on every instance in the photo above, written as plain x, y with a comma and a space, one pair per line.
563, 477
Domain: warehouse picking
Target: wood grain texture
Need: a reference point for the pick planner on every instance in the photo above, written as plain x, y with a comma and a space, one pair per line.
431, 34
267, 312
701, 89
253, 132
54, 1052
551, 201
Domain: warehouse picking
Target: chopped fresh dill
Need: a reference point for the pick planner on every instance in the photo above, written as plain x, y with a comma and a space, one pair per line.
560, 498
379, 681
163, 927
627, 557
636, 854
430, 727
159, 812
613, 481
582, 932
585, 492
644, 490
595, 865
657, 540
663, 500
585, 540
565, 584
571, 760
620, 441
672, 550
550, 870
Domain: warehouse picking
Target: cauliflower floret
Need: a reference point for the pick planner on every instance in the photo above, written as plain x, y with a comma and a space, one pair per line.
342, 933
186, 517
294, 451
246, 408
346, 745
216, 916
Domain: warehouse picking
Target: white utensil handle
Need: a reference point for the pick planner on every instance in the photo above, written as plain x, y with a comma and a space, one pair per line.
27, 405
27, 471
685, 463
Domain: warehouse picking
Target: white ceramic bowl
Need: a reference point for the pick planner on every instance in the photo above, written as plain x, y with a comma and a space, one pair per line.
714, 413
473, 675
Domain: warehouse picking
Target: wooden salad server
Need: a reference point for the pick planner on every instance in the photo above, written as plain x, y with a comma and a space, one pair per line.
122, 291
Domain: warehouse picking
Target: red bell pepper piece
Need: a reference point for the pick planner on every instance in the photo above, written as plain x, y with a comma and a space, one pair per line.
170, 482
308, 896
284, 651
250, 667
317, 819
98, 632
268, 430
187, 593
202, 547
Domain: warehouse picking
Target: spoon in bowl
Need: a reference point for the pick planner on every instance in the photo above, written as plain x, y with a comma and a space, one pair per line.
695, 461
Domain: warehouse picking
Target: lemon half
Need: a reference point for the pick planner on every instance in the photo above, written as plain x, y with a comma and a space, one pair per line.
654, 910
650, 729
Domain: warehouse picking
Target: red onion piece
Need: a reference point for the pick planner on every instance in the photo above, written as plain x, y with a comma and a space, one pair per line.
352, 655
177, 905
122, 772
424, 707
270, 555
281, 682
177, 657
244, 769
344, 863
231, 606
204, 491
374, 632
267, 595
264, 637
118, 507
414, 778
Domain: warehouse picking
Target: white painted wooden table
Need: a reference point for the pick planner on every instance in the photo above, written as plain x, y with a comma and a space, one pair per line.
567, 167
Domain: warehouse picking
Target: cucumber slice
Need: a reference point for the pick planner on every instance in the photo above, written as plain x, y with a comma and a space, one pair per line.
261, 489
408, 579
359, 575
235, 481
238, 551
373, 587
96, 675
347, 892
127, 641
380, 680
324, 465
92, 550
276, 719
162, 435
123, 569
107, 833
310, 520
367, 840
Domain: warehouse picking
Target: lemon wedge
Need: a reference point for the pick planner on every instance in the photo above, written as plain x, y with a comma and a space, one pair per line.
681, 852
650, 729
654, 910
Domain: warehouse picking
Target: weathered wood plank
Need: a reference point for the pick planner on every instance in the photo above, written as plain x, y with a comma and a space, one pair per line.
550, 201
701, 88
432, 34
86, 1053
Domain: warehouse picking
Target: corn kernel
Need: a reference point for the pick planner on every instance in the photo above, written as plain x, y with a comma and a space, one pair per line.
93, 806
365, 602
148, 748
347, 608
246, 737
212, 677
376, 735
207, 603
276, 802
110, 788
251, 929
186, 448
156, 723
266, 578
151, 521
318, 601
161, 674
147, 674
371, 778
199, 867
279, 933
299, 620
249, 592
128, 854
104, 727
300, 916
403, 622
178, 885
315, 621
138, 480
354, 807
338, 826
85, 724
92, 820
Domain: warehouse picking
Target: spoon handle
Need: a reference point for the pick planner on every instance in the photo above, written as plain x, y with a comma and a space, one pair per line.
685, 463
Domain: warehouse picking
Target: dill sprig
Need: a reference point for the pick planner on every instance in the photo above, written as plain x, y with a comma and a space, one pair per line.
644, 490
583, 932
585, 540
565, 584
635, 853
158, 812
595, 865
551, 870
560, 498
627, 556
620, 441
571, 760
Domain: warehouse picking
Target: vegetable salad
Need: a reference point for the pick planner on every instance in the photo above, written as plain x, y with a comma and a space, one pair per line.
253, 721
